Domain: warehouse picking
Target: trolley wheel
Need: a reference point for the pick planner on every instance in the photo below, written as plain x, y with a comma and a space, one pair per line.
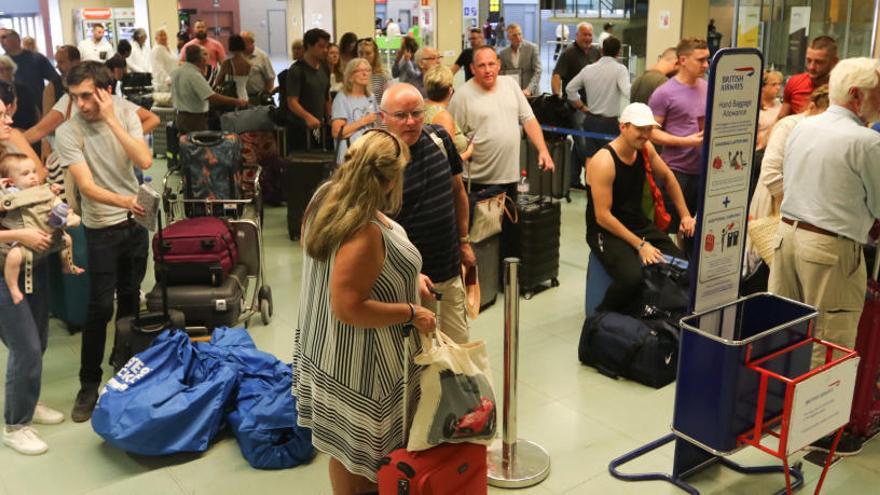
265, 311
568, 198
266, 294
554, 282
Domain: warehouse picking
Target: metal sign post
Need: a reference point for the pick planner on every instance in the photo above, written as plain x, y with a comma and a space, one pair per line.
514, 462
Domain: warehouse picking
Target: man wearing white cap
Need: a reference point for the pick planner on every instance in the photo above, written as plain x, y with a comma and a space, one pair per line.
618, 230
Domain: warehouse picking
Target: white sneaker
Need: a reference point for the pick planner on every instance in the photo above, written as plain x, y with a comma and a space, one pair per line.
24, 440
44, 415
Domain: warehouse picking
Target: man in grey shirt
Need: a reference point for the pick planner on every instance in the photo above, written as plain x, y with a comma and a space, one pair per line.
262, 76
490, 109
101, 145
831, 196
192, 95
605, 83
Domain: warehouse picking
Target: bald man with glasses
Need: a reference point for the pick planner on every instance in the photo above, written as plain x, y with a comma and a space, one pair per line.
434, 211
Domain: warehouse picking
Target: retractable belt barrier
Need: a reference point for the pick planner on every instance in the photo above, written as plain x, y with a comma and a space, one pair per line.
575, 132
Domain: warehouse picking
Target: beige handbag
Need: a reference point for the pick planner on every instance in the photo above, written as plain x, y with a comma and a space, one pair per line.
489, 208
762, 232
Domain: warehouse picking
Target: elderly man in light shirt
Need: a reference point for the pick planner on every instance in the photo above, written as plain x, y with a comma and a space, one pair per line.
139, 60
831, 196
605, 83
262, 75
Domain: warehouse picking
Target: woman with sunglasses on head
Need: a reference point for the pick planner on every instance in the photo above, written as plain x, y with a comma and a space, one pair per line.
354, 108
366, 48
361, 287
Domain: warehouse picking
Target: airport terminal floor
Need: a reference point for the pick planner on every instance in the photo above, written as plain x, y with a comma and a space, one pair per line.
582, 418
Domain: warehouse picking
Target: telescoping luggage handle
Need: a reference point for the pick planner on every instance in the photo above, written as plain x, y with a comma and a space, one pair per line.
162, 281
206, 138
407, 337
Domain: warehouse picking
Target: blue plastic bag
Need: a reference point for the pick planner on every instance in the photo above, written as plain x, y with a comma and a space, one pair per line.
165, 400
264, 417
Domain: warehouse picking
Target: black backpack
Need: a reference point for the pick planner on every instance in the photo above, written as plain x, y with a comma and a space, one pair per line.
645, 351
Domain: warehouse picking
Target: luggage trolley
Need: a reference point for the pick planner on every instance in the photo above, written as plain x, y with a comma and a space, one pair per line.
243, 211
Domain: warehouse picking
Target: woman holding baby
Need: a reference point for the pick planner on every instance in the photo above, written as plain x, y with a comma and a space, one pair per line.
24, 327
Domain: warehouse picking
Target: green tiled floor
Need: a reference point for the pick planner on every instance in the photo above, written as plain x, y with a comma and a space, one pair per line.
584, 419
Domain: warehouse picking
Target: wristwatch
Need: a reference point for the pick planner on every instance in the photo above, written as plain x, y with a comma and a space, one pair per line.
465, 240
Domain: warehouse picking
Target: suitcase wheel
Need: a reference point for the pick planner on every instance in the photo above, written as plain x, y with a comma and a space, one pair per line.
266, 305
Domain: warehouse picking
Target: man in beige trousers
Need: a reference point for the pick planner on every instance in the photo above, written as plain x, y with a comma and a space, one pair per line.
831, 198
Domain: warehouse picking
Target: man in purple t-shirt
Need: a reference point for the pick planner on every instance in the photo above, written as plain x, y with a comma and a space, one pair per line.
679, 105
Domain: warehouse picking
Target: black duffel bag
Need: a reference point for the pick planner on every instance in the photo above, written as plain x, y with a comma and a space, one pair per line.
645, 351
665, 290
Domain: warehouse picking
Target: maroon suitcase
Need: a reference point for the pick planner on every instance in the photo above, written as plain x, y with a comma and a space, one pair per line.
447, 469
196, 251
865, 418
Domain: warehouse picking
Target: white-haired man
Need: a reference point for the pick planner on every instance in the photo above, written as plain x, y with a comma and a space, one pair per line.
831, 198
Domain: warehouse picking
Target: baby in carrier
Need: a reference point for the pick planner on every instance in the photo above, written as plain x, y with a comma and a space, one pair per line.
24, 203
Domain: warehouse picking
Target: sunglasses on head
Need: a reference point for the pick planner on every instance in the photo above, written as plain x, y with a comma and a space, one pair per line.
392, 136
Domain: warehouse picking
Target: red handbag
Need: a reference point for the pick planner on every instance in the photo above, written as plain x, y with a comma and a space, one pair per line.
661, 217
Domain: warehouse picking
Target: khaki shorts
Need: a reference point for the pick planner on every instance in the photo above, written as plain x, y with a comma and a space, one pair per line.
453, 315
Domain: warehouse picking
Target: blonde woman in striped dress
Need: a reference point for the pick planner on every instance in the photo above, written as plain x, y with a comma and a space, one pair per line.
360, 288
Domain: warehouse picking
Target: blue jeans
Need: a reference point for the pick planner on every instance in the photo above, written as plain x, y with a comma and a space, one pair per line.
24, 329
117, 264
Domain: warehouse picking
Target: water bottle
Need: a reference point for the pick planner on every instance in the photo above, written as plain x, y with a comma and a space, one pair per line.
148, 198
522, 189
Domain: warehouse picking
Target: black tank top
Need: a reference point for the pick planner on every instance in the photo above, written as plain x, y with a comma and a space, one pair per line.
627, 189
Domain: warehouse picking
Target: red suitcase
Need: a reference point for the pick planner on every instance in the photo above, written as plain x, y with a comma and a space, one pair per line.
865, 418
447, 469
197, 251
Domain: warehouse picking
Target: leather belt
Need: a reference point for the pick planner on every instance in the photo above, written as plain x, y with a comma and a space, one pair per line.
809, 227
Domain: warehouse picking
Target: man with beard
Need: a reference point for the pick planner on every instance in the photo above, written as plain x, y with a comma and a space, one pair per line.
821, 58
96, 48
216, 52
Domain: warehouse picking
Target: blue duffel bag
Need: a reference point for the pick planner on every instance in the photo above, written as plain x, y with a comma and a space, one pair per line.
264, 417
165, 400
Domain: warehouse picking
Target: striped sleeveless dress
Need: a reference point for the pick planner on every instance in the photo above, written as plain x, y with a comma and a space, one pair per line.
347, 380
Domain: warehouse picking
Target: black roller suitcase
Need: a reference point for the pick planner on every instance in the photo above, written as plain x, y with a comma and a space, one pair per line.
539, 230
204, 305
488, 254
559, 185
305, 172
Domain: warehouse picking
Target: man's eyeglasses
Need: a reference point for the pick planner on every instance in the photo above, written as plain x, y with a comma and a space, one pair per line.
403, 116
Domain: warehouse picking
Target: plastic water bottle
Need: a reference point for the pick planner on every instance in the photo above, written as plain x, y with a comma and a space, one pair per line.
522, 189
148, 198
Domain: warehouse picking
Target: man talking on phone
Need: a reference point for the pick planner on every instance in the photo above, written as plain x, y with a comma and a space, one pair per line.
101, 145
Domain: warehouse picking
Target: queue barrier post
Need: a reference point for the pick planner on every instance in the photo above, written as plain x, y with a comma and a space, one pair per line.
513, 461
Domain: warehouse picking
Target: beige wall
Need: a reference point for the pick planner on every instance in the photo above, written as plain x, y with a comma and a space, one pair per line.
449, 18
67, 6
660, 39
163, 15
695, 19
357, 16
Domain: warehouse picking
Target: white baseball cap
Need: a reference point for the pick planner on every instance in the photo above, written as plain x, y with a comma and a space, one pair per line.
639, 115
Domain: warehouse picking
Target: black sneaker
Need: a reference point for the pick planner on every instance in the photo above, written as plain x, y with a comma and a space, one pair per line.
849, 444
85, 402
